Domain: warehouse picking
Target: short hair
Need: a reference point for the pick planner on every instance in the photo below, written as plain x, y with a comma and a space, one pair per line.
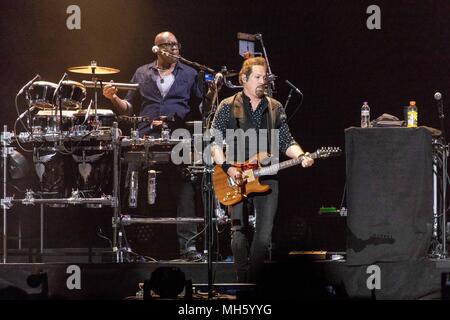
247, 66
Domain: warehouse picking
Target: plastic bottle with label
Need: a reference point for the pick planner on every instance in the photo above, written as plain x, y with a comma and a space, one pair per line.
412, 115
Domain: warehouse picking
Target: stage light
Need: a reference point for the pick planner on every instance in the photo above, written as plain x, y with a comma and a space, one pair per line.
166, 282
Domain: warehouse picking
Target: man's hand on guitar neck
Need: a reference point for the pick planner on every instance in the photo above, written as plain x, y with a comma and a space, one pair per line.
307, 161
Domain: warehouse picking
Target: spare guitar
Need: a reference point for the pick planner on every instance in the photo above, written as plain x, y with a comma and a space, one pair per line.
228, 192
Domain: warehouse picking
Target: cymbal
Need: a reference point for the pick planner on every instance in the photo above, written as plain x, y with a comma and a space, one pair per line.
93, 70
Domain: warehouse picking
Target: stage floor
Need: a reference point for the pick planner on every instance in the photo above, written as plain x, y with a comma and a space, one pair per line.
292, 278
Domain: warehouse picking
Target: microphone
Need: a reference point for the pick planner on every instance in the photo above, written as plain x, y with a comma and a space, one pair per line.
37, 77
151, 187
134, 185
59, 86
120, 86
25, 112
155, 49
438, 98
293, 87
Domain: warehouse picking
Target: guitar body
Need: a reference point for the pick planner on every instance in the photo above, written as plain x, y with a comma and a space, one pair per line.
227, 192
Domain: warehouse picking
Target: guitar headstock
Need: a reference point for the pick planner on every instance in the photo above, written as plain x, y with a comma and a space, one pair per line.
327, 152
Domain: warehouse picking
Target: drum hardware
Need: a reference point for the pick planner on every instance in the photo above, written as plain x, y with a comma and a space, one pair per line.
117, 85
127, 220
74, 199
94, 70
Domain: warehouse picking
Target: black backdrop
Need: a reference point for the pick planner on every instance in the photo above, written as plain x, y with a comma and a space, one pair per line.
324, 47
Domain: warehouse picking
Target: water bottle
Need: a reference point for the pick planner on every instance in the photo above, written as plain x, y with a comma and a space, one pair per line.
412, 115
365, 115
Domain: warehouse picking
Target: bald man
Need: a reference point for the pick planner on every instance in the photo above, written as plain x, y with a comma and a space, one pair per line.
166, 88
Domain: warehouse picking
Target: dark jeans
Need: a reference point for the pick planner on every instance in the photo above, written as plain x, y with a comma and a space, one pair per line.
186, 232
249, 259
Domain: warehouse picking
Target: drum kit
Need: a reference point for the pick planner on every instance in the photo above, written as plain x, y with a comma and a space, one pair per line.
77, 151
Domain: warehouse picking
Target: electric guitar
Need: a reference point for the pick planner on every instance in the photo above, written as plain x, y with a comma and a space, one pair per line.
229, 192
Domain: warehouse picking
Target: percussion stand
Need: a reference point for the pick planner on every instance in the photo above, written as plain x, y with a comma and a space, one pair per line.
95, 80
5, 201
118, 249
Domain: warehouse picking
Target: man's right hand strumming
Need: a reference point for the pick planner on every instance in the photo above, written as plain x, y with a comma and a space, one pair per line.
235, 174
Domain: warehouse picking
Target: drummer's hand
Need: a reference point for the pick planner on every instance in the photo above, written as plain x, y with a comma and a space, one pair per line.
109, 91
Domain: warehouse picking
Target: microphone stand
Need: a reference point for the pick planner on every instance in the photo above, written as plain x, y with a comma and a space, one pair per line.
56, 95
445, 154
287, 100
207, 188
188, 62
441, 119
270, 76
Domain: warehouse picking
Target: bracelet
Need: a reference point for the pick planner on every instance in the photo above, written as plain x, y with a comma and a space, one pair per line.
225, 167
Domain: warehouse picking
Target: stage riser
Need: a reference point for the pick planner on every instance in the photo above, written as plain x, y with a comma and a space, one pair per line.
103, 281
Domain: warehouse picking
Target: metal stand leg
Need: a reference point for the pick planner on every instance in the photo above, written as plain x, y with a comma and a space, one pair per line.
435, 200
5, 201
117, 245
444, 202
41, 248
5, 168
19, 235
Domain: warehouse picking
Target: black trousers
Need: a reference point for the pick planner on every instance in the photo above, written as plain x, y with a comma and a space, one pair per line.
249, 248
186, 208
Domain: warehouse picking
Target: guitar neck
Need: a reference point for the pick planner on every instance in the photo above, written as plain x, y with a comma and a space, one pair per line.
273, 169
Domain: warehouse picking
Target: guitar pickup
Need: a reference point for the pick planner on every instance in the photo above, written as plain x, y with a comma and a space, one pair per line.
231, 182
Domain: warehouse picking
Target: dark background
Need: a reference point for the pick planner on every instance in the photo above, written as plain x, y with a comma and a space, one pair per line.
323, 47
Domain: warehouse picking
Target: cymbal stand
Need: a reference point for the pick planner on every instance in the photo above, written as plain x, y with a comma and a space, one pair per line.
95, 80
270, 76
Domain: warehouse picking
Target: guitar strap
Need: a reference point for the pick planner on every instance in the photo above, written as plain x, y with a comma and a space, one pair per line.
238, 114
